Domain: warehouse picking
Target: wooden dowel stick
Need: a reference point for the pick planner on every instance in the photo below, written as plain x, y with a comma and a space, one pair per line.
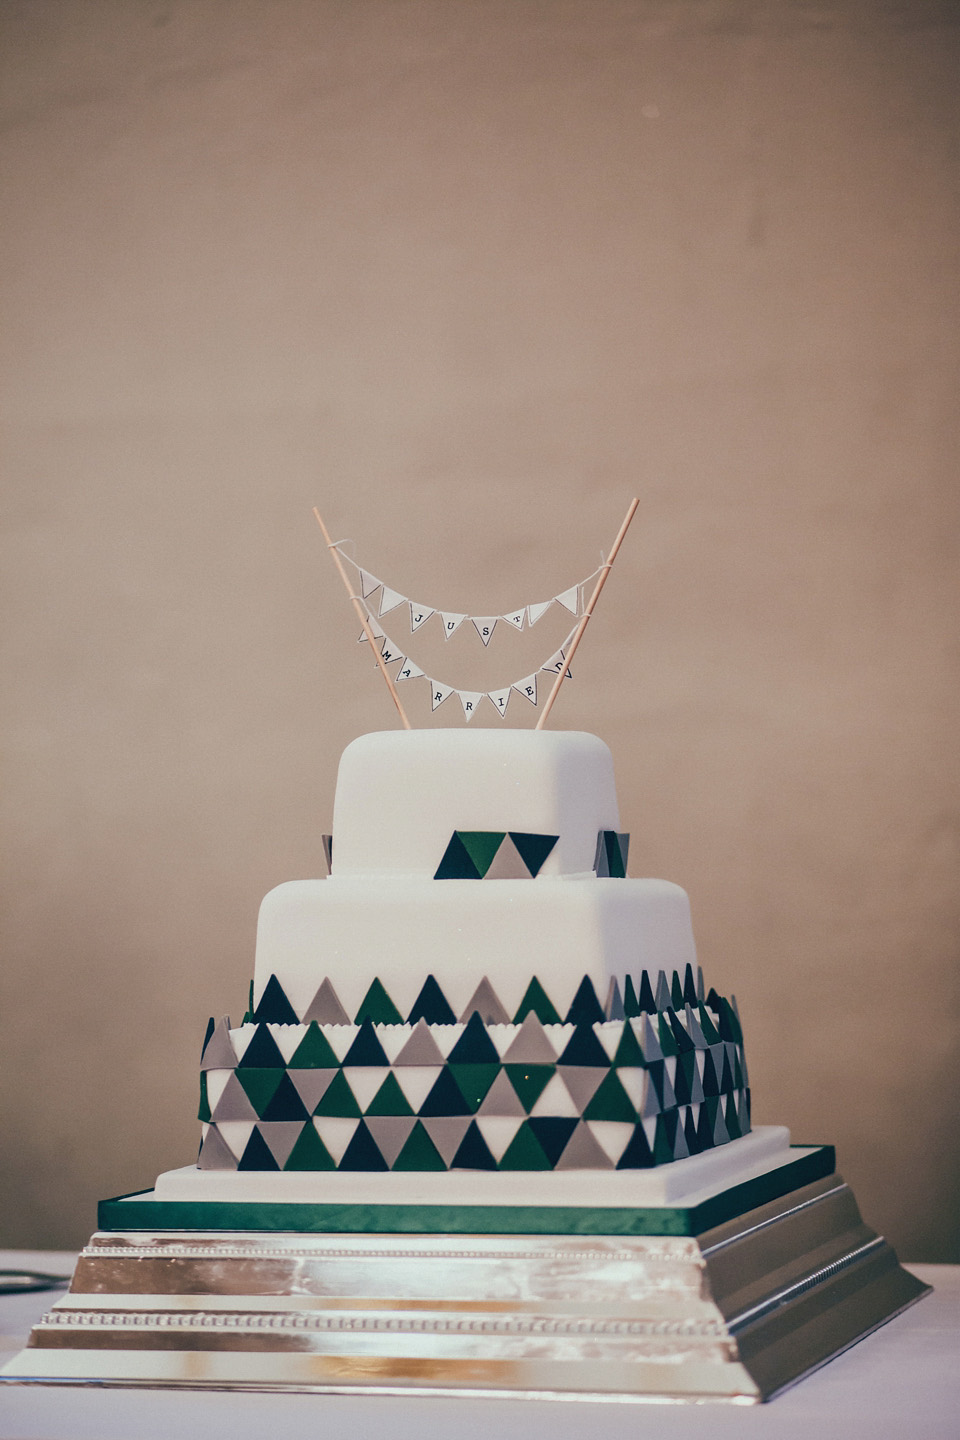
363, 618
578, 633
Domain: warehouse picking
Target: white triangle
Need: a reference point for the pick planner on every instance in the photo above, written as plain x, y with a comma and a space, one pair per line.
419, 615
377, 632
416, 1082
540, 608
408, 671
470, 699
485, 626
390, 599
336, 1132
340, 1038
570, 600
368, 583
635, 1082
498, 1131
555, 1100
365, 1081
236, 1133
552, 666
392, 1039
515, 618
216, 1083
439, 693
500, 698
613, 1136
527, 688
390, 652
241, 1037
451, 622
287, 1038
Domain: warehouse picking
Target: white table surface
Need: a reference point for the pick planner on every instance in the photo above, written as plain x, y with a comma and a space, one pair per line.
902, 1382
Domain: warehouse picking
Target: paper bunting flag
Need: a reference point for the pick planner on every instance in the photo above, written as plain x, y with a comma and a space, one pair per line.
377, 632
408, 671
439, 693
368, 583
485, 626
470, 699
501, 698
390, 652
527, 688
451, 622
570, 600
419, 615
390, 599
535, 611
554, 663
516, 617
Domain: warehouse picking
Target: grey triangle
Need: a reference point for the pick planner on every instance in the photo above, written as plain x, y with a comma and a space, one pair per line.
720, 1132
614, 1007
281, 1136
583, 1152
486, 1002
694, 1030
624, 841
662, 997
327, 842
215, 1153
507, 863
421, 1048
501, 1098
311, 1085
700, 993
390, 1133
446, 1132
325, 1008
649, 1040
650, 1104
582, 1081
680, 1148
218, 1053
530, 1046
600, 863
234, 1104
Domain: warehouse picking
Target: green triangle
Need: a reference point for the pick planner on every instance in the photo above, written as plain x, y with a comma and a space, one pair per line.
629, 1051
473, 1082
309, 1153
529, 1081
533, 849
481, 846
259, 1085
667, 1042
419, 1152
456, 863
377, 1006
338, 1099
710, 1032
389, 1099
203, 1113
631, 1005
314, 1051
610, 1101
525, 1152
536, 999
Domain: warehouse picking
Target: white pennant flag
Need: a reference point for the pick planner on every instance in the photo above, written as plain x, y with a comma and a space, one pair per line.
439, 693
378, 633
485, 626
408, 671
368, 583
419, 614
390, 599
390, 652
516, 618
554, 663
500, 698
451, 622
570, 600
535, 611
470, 700
527, 688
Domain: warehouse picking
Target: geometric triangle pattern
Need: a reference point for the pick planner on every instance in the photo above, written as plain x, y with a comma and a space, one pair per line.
660, 1078
494, 855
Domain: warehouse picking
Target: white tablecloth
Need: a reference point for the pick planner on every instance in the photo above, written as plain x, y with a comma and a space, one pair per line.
902, 1382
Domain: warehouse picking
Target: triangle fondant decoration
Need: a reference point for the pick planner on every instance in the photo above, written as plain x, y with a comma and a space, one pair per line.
211, 1026
389, 1100
524, 1152
377, 1006
390, 1134
636, 1084
218, 1053
203, 1110
364, 1082
498, 1131
366, 1048
611, 1102
215, 1153
325, 1007
529, 1081
326, 842
473, 1152
552, 1133
421, 1048
311, 1085
533, 849
531, 1044
419, 1152
481, 846
262, 1052
362, 1152
474, 1046
338, 1100
474, 1081
535, 999
285, 1105
446, 1132
583, 1048
584, 1152
637, 1155
615, 1008
585, 1008
235, 1134
314, 1051
273, 1006
555, 1099
501, 1099
257, 1155
456, 863
612, 1136
508, 863
416, 1082
280, 1137
662, 998
629, 1050
445, 1098
645, 998
582, 1082
216, 1083
309, 1152
335, 1132
431, 1005
260, 1084
486, 1003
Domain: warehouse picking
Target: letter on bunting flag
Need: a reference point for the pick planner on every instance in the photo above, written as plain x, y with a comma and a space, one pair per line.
516, 617
485, 626
408, 671
451, 622
389, 652
470, 700
500, 698
527, 688
419, 614
439, 693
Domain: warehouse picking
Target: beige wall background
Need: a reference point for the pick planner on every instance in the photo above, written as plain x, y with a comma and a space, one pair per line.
468, 274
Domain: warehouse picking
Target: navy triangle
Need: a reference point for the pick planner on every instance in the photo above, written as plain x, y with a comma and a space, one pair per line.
456, 863
533, 849
583, 1048
676, 991
638, 1155
631, 1005
474, 1046
211, 1026
684, 1043
257, 1154
445, 1097
689, 986
473, 1152
711, 1085
552, 1132
726, 1079
274, 1006
262, 1052
431, 1005
285, 1103
585, 1008
366, 1048
691, 1135
362, 1153
646, 1000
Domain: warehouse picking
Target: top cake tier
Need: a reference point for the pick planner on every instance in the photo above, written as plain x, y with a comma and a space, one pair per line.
402, 794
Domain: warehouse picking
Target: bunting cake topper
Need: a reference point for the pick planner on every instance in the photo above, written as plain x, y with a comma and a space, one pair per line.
376, 599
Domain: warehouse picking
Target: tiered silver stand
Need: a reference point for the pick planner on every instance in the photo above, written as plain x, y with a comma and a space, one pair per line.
731, 1300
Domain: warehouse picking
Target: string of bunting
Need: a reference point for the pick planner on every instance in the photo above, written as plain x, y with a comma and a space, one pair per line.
524, 615
390, 654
